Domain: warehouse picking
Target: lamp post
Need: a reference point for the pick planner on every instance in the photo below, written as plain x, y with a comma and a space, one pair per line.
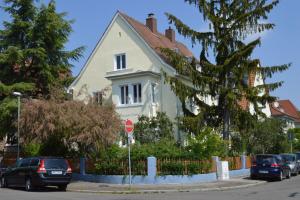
18, 95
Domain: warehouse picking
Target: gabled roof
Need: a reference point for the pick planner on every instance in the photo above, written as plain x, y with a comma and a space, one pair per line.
156, 40
285, 108
153, 41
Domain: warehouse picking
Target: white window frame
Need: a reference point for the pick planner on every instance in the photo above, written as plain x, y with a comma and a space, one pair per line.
121, 62
153, 96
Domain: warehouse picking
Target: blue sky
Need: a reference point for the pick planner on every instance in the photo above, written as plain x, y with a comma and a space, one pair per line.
279, 46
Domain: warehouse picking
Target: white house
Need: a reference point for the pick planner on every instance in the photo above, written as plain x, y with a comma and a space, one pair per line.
127, 62
286, 111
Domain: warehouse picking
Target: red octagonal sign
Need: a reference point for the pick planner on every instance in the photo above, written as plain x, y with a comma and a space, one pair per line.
129, 126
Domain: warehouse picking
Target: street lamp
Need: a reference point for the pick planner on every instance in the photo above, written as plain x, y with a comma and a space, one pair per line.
18, 94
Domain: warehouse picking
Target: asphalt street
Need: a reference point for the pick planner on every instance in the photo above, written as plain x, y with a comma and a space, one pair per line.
285, 190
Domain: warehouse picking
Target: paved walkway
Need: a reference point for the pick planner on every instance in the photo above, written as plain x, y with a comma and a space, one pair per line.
79, 186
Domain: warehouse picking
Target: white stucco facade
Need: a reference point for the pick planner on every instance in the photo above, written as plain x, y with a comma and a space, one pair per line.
143, 67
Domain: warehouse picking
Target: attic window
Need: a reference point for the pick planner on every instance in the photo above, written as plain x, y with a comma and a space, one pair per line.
120, 61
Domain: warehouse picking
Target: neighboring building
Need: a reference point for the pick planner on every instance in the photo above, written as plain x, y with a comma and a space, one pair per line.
285, 110
128, 62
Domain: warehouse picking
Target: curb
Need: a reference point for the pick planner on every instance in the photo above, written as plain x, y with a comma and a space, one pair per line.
133, 191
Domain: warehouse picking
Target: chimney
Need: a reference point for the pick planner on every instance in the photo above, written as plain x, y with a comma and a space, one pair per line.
170, 34
151, 22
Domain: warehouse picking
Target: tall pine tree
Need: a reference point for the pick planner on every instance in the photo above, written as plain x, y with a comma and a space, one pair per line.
33, 58
224, 64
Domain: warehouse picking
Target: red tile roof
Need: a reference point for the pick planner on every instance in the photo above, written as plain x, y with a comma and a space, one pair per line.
285, 108
156, 40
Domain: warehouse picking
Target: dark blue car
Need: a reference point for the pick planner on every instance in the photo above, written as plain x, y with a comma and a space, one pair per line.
269, 166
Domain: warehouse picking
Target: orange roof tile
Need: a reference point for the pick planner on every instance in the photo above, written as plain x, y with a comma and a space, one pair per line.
285, 108
156, 40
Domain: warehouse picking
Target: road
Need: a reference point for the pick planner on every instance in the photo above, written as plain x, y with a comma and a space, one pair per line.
285, 190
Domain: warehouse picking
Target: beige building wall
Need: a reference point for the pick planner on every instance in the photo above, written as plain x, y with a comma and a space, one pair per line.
120, 38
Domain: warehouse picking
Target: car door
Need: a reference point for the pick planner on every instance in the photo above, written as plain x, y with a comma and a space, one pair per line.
284, 166
22, 172
11, 173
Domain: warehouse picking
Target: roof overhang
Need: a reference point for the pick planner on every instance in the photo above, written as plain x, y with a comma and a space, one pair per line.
118, 76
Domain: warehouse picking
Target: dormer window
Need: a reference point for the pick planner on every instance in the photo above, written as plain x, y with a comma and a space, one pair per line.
120, 61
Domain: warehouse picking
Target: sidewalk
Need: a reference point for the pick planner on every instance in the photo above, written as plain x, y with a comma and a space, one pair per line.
90, 187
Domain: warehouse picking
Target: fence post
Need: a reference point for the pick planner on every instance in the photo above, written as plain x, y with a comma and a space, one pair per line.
244, 160
151, 166
82, 166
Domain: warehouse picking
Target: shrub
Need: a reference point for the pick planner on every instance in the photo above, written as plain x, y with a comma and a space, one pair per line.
172, 168
32, 149
150, 130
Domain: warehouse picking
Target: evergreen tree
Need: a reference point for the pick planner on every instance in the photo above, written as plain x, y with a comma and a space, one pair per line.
225, 61
33, 58
32, 47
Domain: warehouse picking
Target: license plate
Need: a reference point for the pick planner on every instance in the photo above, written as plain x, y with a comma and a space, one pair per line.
56, 172
263, 172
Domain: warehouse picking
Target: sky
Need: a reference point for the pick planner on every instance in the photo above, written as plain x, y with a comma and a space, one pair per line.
279, 46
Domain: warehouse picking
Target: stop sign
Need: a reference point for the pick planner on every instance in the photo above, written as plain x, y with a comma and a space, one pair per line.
129, 126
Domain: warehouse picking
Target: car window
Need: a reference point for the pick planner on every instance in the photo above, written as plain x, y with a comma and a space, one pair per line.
278, 160
34, 162
265, 159
289, 158
56, 164
25, 162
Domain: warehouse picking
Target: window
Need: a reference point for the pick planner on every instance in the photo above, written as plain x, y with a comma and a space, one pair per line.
34, 162
153, 96
137, 93
124, 94
98, 97
130, 94
120, 62
25, 163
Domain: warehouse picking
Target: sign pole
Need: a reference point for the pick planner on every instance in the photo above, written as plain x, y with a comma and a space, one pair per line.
129, 127
129, 159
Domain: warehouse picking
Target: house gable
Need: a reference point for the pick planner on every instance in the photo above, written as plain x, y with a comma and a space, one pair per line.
119, 37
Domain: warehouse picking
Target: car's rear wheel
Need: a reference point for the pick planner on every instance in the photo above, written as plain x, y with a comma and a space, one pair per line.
28, 185
288, 174
3, 182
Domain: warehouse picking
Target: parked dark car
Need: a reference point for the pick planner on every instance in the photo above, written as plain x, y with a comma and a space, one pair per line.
291, 161
38, 172
269, 166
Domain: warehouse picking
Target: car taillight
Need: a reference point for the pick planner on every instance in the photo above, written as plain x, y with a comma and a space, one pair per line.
69, 170
41, 168
274, 165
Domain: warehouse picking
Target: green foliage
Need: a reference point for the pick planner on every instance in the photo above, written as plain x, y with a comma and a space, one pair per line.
8, 106
266, 136
225, 61
296, 140
109, 168
172, 168
151, 130
33, 58
32, 149
205, 144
